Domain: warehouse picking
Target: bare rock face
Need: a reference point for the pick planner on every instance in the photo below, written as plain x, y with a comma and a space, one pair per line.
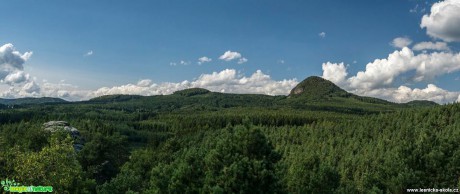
54, 126
297, 91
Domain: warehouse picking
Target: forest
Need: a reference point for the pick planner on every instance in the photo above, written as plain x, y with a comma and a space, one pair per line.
318, 139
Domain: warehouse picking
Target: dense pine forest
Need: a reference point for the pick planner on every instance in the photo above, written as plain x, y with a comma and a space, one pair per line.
318, 139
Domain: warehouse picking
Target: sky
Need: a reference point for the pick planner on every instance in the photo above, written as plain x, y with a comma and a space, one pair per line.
398, 50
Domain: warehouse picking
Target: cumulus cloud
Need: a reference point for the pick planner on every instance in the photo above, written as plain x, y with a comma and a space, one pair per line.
431, 92
144, 83
443, 21
227, 80
458, 99
380, 76
11, 62
31, 88
204, 59
401, 42
16, 77
23, 85
440, 46
65, 91
335, 72
230, 55
405, 94
382, 72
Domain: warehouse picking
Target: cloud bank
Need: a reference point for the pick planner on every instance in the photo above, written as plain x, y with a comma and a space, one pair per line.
380, 77
227, 80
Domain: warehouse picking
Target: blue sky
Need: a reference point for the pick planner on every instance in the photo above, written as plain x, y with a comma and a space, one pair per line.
94, 44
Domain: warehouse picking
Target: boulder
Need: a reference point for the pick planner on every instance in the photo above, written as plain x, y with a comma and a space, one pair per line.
54, 126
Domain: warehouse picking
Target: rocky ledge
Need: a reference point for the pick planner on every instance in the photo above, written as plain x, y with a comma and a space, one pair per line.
54, 126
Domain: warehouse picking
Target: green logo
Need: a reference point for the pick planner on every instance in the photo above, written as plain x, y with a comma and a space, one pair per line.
14, 187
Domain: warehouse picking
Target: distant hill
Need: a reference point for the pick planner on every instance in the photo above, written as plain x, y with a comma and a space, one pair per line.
421, 103
192, 92
315, 87
324, 95
26, 101
115, 98
313, 93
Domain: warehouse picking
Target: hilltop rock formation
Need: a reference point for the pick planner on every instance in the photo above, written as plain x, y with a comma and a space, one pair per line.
54, 126
317, 87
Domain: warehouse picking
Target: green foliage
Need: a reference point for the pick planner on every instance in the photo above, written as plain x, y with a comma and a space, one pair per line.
102, 156
310, 175
191, 92
55, 165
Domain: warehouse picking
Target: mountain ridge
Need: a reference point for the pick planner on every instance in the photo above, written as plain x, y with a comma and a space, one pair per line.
31, 100
313, 90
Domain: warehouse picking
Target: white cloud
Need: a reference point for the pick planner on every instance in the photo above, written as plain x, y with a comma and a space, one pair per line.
379, 77
172, 64
230, 55
382, 72
335, 72
281, 61
401, 42
204, 59
16, 77
403, 94
11, 61
322, 34
443, 21
64, 90
89, 53
458, 99
31, 88
217, 78
440, 46
406, 94
144, 83
242, 60
224, 81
